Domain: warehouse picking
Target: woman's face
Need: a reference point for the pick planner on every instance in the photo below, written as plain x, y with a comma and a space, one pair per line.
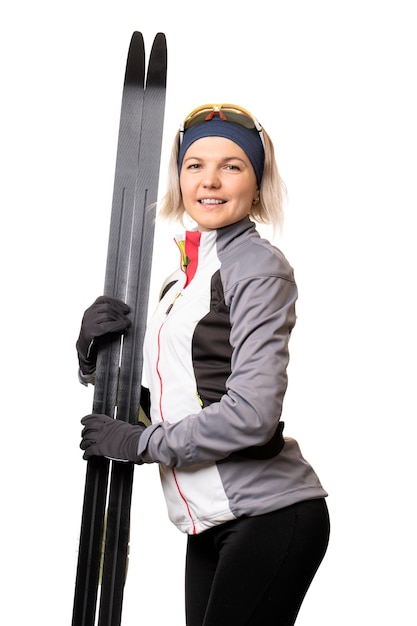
218, 183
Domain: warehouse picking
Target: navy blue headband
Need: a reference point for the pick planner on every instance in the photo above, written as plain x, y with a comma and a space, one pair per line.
247, 139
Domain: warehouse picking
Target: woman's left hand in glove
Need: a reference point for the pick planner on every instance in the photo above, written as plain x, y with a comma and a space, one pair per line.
115, 439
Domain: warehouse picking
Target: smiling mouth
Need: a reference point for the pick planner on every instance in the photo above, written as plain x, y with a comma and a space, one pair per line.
212, 201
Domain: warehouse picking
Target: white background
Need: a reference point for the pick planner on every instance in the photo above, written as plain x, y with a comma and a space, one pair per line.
334, 85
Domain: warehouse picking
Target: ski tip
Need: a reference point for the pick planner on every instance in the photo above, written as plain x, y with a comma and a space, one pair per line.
157, 67
136, 39
135, 64
159, 41
137, 45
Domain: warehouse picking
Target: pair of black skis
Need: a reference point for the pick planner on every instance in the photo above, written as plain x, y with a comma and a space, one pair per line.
119, 364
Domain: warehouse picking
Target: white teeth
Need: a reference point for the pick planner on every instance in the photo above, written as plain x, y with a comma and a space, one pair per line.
211, 201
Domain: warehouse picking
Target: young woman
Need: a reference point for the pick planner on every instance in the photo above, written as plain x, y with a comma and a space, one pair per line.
215, 359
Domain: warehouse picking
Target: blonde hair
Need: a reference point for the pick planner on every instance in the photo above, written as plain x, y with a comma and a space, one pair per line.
272, 192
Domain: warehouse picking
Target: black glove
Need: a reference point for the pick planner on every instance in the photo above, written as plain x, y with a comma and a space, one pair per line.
112, 438
106, 316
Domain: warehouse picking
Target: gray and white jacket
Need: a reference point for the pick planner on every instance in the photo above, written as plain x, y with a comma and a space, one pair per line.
215, 360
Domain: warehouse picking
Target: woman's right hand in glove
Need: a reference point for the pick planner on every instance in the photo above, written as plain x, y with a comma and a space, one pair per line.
106, 316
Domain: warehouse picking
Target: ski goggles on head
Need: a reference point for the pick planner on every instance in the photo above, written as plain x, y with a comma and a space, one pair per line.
225, 112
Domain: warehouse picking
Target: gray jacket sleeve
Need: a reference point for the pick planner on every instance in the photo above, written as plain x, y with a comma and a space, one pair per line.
262, 315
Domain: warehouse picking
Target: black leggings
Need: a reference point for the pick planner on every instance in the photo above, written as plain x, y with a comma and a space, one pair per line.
255, 571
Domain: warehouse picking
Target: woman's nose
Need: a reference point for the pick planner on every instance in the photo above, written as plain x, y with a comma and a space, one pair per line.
211, 179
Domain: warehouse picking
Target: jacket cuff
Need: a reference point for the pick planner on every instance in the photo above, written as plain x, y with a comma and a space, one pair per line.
144, 447
86, 379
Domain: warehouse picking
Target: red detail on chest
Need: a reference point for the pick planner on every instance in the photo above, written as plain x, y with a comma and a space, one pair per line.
192, 244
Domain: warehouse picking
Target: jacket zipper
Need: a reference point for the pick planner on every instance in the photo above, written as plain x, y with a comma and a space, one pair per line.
174, 474
177, 295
